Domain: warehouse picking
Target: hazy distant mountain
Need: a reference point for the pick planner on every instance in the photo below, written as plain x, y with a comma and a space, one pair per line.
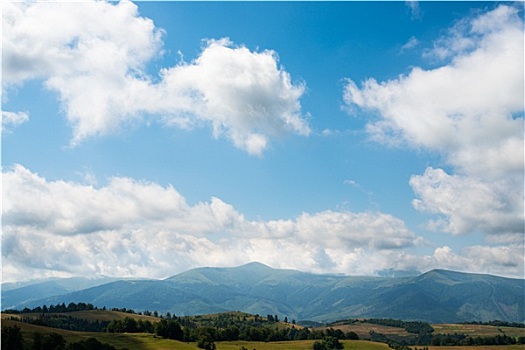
436, 296
20, 293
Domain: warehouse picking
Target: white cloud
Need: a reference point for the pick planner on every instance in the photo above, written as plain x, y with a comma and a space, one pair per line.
415, 10
91, 53
471, 112
94, 55
131, 227
244, 94
345, 229
468, 203
410, 44
500, 260
136, 228
13, 119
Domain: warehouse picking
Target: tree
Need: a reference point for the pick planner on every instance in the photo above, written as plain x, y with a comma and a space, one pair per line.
318, 346
12, 338
352, 335
169, 329
145, 326
53, 341
230, 333
206, 342
37, 341
130, 325
328, 343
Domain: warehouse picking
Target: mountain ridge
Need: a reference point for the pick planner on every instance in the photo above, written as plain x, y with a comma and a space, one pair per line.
438, 296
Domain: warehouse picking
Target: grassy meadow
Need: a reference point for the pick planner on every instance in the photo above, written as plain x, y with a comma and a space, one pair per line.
92, 315
146, 341
475, 330
363, 329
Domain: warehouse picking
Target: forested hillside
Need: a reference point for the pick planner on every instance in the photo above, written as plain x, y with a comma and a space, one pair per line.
437, 296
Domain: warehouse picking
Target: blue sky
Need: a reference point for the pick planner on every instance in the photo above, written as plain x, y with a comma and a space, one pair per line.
144, 139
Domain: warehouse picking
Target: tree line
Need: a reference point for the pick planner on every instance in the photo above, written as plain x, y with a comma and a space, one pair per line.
12, 340
497, 323
465, 340
414, 327
456, 339
69, 323
203, 330
256, 329
71, 307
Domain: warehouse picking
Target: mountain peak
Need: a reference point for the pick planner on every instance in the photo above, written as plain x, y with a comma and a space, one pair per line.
438, 296
255, 265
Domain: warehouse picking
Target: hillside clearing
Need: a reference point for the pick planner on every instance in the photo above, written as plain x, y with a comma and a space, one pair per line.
476, 330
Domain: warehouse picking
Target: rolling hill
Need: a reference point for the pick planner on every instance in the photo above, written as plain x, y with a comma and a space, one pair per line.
437, 296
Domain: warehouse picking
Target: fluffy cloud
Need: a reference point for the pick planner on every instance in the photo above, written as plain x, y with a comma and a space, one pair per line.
94, 55
131, 228
469, 203
470, 110
243, 94
500, 260
91, 53
137, 228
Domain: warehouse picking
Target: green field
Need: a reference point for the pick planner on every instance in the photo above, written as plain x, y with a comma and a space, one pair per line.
146, 341
475, 330
363, 329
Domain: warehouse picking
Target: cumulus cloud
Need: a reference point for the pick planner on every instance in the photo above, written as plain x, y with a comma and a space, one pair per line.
505, 260
94, 54
137, 228
461, 199
469, 110
243, 94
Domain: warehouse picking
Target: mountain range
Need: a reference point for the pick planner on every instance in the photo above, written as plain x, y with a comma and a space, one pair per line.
437, 296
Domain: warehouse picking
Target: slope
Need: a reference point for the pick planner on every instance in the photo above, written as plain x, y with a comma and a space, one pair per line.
436, 296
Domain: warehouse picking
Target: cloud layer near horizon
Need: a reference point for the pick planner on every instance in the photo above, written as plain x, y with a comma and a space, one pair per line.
470, 111
94, 55
138, 228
